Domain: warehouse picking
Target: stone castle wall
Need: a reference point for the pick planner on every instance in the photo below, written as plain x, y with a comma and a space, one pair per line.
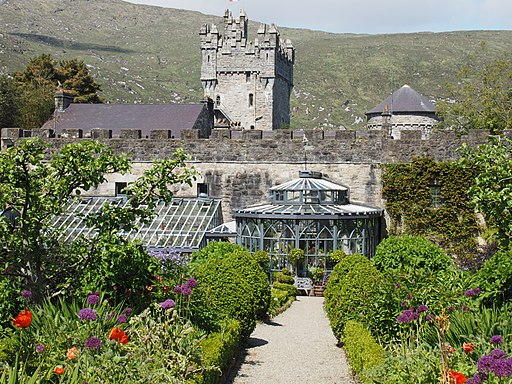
239, 167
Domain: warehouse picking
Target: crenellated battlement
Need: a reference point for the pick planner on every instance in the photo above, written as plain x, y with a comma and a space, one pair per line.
283, 146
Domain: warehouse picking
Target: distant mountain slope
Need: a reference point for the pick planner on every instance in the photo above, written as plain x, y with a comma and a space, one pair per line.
151, 55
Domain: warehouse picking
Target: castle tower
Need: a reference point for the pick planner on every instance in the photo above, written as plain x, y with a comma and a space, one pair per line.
250, 82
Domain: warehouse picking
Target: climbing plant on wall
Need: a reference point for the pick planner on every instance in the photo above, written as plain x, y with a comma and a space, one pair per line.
430, 199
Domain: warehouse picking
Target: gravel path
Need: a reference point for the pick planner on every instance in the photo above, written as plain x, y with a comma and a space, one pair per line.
296, 347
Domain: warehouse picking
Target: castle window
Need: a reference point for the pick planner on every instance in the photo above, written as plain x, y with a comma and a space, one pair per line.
436, 199
217, 101
251, 100
121, 188
247, 76
202, 190
208, 58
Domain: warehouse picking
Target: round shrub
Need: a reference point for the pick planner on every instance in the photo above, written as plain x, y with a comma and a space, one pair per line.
233, 286
285, 279
410, 253
350, 293
362, 349
290, 289
495, 278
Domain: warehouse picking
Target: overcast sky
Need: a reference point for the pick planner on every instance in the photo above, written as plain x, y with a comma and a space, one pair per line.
362, 16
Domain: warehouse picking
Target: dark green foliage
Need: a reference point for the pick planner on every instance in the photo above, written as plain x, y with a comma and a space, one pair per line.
352, 288
263, 259
216, 249
219, 349
449, 220
233, 285
286, 279
362, 349
8, 105
495, 278
411, 254
286, 271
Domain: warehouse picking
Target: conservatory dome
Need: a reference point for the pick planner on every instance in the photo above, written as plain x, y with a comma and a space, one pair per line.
313, 214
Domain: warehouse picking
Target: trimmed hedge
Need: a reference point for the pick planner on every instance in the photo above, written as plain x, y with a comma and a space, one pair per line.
288, 288
285, 279
219, 350
362, 349
232, 285
351, 290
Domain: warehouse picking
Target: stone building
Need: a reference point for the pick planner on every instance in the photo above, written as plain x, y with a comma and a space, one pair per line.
404, 109
250, 82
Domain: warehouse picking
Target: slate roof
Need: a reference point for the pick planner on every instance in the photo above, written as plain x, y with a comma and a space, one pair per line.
146, 117
405, 100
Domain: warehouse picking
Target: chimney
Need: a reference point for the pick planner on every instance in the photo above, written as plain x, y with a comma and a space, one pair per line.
62, 100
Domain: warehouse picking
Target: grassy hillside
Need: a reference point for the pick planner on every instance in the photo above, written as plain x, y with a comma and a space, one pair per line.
149, 54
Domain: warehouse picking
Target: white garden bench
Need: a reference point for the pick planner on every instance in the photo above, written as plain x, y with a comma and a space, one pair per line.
303, 284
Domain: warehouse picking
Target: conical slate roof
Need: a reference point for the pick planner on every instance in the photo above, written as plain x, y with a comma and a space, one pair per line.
404, 100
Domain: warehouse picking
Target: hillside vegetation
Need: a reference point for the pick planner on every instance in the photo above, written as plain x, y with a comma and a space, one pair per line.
149, 54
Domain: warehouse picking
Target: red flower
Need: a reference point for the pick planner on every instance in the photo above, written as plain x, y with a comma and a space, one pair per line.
468, 348
23, 319
457, 377
59, 370
118, 334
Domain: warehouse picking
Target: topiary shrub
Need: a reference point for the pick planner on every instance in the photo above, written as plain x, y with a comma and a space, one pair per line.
213, 249
410, 254
286, 271
219, 349
263, 259
233, 286
285, 279
362, 349
495, 278
290, 289
350, 293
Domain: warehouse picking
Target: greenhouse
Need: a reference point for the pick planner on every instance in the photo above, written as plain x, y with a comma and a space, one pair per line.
312, 214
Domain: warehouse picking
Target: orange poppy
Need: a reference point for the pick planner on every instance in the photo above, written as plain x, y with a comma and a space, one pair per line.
59, 370
468, 348
23, 319
118, 334
457, 377
72, 352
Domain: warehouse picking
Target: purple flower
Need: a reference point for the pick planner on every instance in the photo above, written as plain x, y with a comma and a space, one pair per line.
26, 294
496, 362
450, 308
407, 316
191, 283
178, 289
128, 311
87, 314
408, 297
186, 291
403, 304
121, 319
93, 299
472, 292
422, 308
39, 348
496, 339
93, 343
478, 378
397, 286
167, 304
430, 318
464, 308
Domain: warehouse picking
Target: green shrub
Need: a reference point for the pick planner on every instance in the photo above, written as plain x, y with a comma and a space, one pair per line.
410, 254
494, 278
214, 249
263, 259
285, 279
288, 288
286, 271
362, 350
350, 293
233, 286
219, 349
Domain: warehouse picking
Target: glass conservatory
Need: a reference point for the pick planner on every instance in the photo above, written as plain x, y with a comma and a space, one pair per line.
314, 215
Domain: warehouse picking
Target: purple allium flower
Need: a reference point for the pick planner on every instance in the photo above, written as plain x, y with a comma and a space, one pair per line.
478, 378
26, 294
39, 348
498, 354
450, 308
178, 289
121, 319
403, 304
93, 343
93, 299
128, 311
476, 291
87, 314
108, 316
191, 283
430, 318
464, 308
186, 291
408, 297
496, 339
397, 286
422, 308
407, 316
167, 304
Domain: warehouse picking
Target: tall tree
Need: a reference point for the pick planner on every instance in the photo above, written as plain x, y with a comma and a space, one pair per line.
74, 76
8, 105
480, 99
